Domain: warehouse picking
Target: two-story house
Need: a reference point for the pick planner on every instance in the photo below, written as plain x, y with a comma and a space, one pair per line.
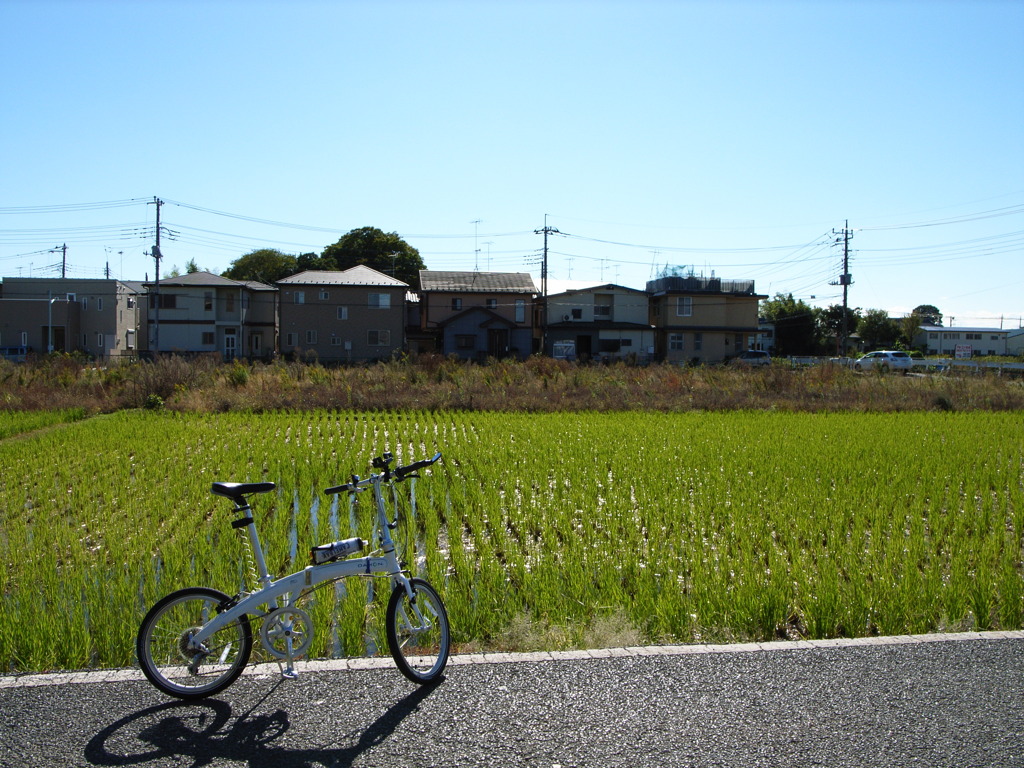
703, 320
355, 315
971, 341
607, 322
102, 318
205, 313
476, 315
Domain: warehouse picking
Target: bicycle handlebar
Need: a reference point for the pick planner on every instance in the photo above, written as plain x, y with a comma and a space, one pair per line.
383, 462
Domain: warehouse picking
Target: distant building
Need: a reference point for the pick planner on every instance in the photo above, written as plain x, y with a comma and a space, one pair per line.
606, 322
940, 340
703, 320
355, 315
101, 318
477, 315
201, 313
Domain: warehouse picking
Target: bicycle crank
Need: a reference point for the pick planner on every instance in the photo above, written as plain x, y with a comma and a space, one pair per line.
286, 634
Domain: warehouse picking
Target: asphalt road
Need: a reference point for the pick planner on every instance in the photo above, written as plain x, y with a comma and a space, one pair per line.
950, 703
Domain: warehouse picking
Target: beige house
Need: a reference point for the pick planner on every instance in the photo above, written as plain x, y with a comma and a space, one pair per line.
703, 320
476, 315
606, 322
352, 316
201, 313
101, 318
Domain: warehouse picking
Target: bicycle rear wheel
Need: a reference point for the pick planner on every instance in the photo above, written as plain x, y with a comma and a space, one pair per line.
418, 632
163, 645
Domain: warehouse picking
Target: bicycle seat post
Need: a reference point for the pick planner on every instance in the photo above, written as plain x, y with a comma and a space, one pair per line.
249, 523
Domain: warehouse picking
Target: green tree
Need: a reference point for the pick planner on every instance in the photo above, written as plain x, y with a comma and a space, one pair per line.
191, 267
266, 265
830, 323
929, 314
315, 261
795, 321
878, 331
385, 252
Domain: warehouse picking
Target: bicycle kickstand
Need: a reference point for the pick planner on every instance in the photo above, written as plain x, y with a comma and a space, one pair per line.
288, 672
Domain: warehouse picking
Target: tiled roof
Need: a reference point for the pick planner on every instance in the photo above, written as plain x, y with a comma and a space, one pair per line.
358, 275
477, 282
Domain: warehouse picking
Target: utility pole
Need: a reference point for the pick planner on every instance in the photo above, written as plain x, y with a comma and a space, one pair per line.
845, 280
156, 287
544, 282
64, 261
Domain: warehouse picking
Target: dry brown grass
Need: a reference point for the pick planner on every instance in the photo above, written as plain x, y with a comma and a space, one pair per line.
537, 385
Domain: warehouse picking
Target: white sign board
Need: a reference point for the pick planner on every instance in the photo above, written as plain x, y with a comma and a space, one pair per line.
964, 351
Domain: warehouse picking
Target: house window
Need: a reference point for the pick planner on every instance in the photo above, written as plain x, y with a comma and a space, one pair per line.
625, 342
324, 295
379, 300
167, 300
603, 305
335, 341
684, 306
311, 337
698, 342
300, 297
99, 341
85, 340
520, 310
24, 338
675, 342
85, 303
456, 304
378, 338
255, 343
343, 313
933, 335
608, 345
577, 314
291, 340
465, 341
99, 305
131, 302
492, 303
229, 303
208, 338
129, 339
208, 301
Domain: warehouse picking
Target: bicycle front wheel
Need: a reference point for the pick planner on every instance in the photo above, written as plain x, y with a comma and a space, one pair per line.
165, 655
418, 633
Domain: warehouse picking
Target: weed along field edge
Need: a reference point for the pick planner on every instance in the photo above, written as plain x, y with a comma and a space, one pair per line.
542, 531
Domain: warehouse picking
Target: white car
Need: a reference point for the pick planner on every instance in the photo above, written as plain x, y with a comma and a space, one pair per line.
884, 360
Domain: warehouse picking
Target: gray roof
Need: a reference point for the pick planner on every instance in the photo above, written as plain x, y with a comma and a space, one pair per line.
195, 279
477, 282
961, 329
357, 275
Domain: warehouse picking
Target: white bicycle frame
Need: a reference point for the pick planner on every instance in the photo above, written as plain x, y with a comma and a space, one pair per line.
293, 585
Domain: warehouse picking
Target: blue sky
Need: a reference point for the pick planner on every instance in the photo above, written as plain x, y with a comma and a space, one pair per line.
727, 137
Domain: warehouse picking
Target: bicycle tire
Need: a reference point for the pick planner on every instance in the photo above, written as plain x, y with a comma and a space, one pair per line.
161, 640
419, 640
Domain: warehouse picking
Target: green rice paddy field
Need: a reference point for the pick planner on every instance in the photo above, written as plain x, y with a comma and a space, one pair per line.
536, 528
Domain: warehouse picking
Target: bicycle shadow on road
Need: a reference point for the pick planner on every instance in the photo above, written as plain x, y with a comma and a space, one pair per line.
204, 732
